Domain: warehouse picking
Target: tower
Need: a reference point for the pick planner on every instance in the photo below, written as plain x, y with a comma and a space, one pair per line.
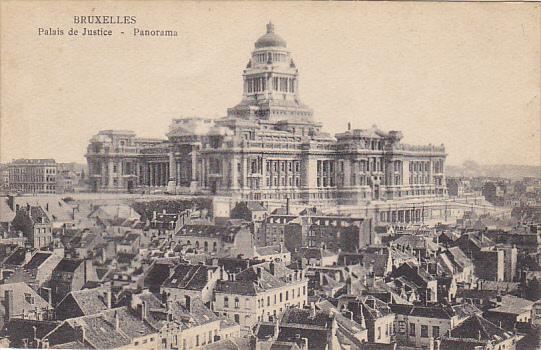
271, 83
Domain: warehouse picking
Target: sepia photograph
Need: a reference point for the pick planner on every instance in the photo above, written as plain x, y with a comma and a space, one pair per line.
270, 175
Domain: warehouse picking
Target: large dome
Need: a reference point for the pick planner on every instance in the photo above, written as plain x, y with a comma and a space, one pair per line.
270, 39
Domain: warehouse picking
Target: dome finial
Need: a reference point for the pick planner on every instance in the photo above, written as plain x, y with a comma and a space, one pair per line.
270, 27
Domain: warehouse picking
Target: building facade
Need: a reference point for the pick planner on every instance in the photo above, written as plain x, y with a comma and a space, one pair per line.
32, 175
268, 147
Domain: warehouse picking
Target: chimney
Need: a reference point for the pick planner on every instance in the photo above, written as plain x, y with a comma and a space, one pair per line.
109, 298
47, 206
144, 311
8, 296
349, 126
258, 270
154, 215
188, 303
117, 321
312, 309
83, 333
361, 314
304, 345
276, 327
164, 211
27, 256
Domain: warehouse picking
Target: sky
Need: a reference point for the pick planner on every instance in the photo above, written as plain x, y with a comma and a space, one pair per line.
463, 74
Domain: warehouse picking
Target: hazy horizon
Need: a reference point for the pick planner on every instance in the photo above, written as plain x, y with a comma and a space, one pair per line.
463, 74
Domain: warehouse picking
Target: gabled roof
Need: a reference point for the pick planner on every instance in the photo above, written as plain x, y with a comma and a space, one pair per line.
68, 265
19, 329
187, 276
89, 301
476, 327
513, 305
255, 206
16, 257
101, 332
38, 215
37, 259
20, 303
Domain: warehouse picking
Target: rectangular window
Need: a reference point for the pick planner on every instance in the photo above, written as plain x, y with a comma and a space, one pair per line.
412, 329
424, 331
435, 331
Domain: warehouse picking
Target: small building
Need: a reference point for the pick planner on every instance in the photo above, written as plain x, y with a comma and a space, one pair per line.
71, 275
196, 281
260, 293
35, 225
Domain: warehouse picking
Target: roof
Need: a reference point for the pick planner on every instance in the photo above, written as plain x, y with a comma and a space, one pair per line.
513, 305
226, 233
89, 301
476, 327
110, 212
100, 329
316, 253
126, 258
187, 276
68, 265
6, 214
157, 274
20, 302
249, 283
229, 344
307, 317
270, 39
416, 242
439, 312
19, 329
37, 259
70, 345
459, 257
255, 206
17, 257
271, 250
38, 215
460, 343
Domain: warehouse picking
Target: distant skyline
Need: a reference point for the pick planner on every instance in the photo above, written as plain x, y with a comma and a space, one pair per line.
463, 74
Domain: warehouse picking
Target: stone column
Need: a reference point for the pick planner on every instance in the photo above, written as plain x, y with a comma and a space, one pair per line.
164, 174
110, 175
194, 164
244, 173
234, 173
172, 169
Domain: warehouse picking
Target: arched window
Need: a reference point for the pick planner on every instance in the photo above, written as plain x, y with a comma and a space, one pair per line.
226, 302
206, 246
197, 244
237, 303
